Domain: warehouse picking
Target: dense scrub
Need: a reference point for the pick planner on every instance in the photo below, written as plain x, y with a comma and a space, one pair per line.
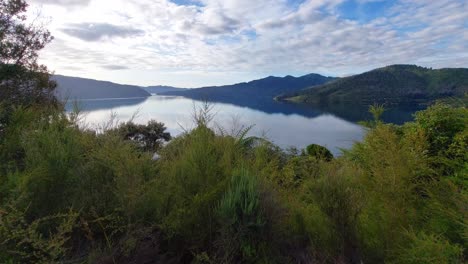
71, 194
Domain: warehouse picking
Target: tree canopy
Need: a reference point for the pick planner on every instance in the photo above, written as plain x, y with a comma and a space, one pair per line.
23, 81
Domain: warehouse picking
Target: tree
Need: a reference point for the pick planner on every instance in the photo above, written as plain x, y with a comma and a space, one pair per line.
23, 82
321, 153
148, 137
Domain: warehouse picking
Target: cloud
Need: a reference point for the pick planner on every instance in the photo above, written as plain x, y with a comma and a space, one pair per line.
99, 31
213, 22
250, 38
63, 2
114, 67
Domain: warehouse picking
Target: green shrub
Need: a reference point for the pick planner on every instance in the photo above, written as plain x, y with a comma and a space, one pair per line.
241, 220
444, 127
52, 155
298, 170
195, 170
24, 242
389, 172
337, 195
319, 152
311, 227
424, 248
115, 174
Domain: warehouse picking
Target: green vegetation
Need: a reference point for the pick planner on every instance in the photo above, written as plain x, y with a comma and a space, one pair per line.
149, 137
392, 85
319, 152
69, 194
74, 195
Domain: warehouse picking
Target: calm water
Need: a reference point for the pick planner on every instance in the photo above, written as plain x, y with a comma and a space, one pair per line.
284, 124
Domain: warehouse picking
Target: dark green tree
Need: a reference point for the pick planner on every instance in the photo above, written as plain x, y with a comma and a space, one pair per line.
148, 137
321, 153
23, 81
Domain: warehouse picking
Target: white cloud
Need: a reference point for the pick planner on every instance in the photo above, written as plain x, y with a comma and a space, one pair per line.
63, 2
99, 31
224, 41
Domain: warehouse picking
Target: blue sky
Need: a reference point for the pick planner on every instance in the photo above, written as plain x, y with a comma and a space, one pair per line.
365, 11
192, 43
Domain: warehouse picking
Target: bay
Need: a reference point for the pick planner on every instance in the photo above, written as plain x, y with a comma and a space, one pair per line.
286, 125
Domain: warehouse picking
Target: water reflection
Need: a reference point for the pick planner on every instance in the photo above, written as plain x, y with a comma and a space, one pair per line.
350, 112
285, 124
355, 113
103, 104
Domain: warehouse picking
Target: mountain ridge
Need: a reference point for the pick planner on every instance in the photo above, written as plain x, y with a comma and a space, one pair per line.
394, 84
265, 88
268, 87
77, 88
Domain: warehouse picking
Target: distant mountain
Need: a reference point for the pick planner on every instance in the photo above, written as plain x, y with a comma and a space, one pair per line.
392, 85
73, 88
159, 89
266, 88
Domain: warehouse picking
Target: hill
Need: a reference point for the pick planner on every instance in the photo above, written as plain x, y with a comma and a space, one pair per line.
79, 88
160, 89
266, 88
393, 85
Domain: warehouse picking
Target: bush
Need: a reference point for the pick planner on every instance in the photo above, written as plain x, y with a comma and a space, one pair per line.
337, 195
52, 156
313, 230
195, 170
241, 220
24, 242
445, 128
319, 152
424, 248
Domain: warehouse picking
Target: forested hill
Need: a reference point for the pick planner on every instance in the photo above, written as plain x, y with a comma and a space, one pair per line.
396, 84
264, 88
160, 89
78, 88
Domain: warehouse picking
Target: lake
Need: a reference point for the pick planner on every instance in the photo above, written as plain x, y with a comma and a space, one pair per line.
284, 124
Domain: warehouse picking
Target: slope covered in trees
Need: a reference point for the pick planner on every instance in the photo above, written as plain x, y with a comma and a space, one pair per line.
266, 88
79, 88
160, 89
397, 84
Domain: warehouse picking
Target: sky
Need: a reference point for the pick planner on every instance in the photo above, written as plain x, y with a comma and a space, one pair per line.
194, 43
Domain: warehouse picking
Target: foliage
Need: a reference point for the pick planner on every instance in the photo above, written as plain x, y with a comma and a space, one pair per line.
319, 152
446, 131
195, 171
148, 137
22, 80
426, 248
338, 197
388, 199
24, 242
241, 219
